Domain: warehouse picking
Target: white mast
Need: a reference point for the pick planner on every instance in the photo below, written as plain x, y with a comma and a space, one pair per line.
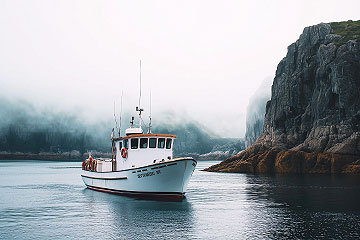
140, 87
139, 109
149, 128
121, 104
116, 125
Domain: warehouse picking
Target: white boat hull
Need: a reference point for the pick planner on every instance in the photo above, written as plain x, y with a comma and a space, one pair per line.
167, 179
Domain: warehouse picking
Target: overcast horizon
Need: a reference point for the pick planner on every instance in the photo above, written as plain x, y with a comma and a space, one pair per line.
201, 60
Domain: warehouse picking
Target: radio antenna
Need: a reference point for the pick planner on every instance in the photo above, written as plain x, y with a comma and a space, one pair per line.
149, 128
139, 109
116, 125
121, 104
140, 87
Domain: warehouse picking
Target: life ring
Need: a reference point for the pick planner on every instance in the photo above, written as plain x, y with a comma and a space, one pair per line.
123, 152
83, 165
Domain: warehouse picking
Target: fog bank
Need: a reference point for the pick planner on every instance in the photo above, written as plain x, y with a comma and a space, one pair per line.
29, 129
256, 111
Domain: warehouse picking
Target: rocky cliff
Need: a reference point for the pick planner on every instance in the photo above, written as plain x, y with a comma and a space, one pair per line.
312, 122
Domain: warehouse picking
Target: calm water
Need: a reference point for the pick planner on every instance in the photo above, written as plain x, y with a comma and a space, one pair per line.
47, 200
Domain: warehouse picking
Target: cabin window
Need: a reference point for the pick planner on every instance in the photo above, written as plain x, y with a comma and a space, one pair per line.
134, 143
120, 144
161, 143
143, 142
168, 143
152, 143
126, 141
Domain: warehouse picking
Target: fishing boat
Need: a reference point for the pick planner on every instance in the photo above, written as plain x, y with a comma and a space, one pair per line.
142, 165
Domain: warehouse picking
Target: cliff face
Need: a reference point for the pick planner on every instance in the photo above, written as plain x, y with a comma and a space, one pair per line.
314, 107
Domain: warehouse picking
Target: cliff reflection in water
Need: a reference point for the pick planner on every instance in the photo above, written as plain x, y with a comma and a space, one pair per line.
307, 206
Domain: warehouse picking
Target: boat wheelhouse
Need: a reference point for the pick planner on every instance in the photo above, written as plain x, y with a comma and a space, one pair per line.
142, 149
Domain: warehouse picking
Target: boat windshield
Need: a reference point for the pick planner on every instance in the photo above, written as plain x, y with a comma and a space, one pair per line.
161, 143
143, 142
168, 143
152, 143
134, 143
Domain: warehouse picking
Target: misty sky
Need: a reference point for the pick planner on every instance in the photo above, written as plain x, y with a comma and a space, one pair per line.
202, 60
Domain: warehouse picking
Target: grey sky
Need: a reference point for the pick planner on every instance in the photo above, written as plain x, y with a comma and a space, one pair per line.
203, 60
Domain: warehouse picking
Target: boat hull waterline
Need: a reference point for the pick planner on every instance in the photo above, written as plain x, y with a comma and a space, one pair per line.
165, 180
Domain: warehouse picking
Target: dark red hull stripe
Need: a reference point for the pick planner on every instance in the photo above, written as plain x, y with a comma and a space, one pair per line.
168, 194
151, 165
119, 178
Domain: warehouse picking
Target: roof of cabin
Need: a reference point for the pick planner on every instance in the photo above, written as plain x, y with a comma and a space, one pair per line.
144, 135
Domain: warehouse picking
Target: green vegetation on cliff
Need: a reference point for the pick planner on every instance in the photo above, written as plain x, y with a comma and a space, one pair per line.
349, 30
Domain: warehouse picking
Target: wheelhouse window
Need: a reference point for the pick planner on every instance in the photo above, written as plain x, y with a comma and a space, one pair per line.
168, 143
143, 142
134, 143
126, 142
152, 143
161, 143
120, 145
